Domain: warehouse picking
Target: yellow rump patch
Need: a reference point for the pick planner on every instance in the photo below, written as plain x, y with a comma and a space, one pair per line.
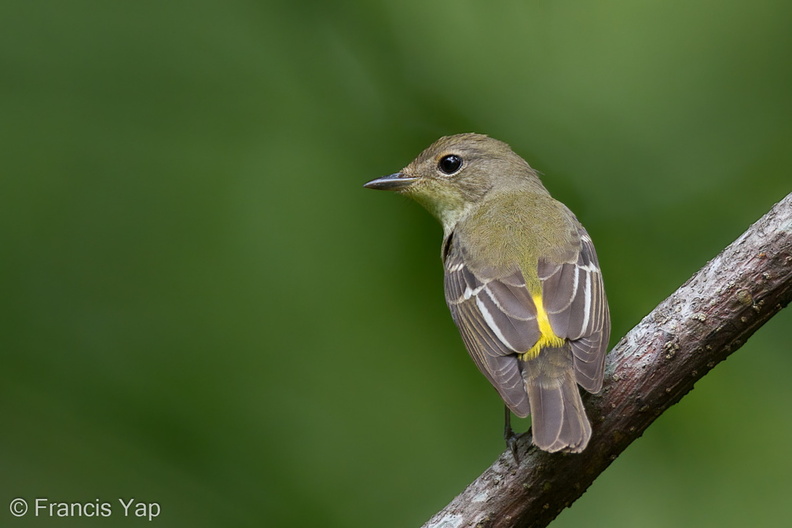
547, 338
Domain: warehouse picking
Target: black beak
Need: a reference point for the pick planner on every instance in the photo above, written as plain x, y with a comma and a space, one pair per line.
392, 182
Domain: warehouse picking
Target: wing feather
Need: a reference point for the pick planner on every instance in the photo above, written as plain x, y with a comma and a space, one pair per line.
495, 323
583, 316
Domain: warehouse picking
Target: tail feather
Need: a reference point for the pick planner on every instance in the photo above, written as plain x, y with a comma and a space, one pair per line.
558, 418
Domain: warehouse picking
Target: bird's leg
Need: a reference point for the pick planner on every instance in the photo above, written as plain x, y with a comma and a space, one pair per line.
510, 436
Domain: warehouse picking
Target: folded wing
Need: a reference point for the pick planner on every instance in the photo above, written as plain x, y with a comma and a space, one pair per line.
577, 308
497, 320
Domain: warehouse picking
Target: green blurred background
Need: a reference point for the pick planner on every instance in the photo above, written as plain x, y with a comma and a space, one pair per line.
201, 306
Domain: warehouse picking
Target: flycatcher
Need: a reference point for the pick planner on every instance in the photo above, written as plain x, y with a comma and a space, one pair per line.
522, 282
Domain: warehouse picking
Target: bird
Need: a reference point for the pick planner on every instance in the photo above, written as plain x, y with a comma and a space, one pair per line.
522, 282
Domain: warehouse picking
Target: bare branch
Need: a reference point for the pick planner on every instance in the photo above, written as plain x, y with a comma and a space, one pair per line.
649, 370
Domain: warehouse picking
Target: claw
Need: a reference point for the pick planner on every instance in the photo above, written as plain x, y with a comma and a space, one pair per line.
511, 437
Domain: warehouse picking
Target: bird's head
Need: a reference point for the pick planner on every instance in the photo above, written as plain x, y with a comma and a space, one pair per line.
456, 172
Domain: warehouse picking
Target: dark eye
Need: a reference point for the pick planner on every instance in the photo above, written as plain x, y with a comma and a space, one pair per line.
450, 164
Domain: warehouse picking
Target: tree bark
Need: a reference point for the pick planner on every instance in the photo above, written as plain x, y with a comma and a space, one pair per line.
649, 370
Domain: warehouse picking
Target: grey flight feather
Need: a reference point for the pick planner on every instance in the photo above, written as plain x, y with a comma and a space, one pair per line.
472, 300
574, 298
